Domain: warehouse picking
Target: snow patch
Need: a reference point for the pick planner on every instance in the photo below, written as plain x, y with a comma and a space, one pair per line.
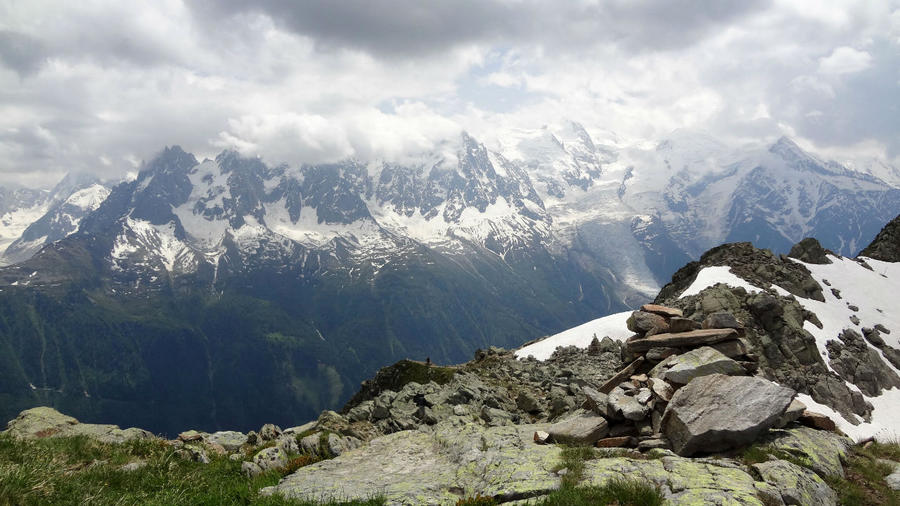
580, 336
710, 276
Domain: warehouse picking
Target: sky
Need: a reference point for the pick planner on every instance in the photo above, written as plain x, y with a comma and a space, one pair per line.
100, 86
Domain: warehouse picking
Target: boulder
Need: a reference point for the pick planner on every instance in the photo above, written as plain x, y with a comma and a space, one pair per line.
595, 401
810, 251
190, 435
541, 437
44, 421
791, 414
662, 389
585, 428
230, 440
662, 310
893, 480
797, 485
644, 323
269, 432
623, 403
250, 469
718, 412
527, 402
721, 320
684, 339
270, 458
681, 369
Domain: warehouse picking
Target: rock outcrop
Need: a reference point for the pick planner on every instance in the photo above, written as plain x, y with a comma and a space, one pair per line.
886, 245
43, 422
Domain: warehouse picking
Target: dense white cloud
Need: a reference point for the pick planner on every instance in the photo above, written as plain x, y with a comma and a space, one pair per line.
101, 85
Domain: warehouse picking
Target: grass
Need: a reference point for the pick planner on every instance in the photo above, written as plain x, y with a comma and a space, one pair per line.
79, 470
864, 483
622, 492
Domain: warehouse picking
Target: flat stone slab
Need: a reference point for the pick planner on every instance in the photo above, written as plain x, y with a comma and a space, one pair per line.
43, 422
692, 338
703, 361
662, 310
718, 412
412, 467
585, 428
822, 450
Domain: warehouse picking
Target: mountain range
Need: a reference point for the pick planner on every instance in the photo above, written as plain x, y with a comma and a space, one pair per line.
269, 292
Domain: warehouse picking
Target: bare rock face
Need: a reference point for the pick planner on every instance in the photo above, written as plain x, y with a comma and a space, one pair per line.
717, 412
810, 251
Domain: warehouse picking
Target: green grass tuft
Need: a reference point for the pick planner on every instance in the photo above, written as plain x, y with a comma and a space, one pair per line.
78, 470
622, 492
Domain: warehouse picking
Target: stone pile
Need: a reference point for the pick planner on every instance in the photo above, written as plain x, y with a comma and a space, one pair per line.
687, 387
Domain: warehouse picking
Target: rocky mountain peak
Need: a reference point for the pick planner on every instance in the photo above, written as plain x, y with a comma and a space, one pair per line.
886, 245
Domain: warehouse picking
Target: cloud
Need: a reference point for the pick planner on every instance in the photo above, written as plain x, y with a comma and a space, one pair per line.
99, 86
844, 60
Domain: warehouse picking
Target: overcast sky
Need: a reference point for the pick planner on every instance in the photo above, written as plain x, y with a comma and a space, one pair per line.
101, 85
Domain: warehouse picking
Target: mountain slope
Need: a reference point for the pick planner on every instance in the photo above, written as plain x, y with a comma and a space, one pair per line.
827, 329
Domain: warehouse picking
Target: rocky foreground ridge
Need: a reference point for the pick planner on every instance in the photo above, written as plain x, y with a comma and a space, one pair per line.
705, 380
676, 414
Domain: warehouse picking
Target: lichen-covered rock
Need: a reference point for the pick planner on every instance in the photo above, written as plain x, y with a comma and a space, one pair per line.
269, 432
270, 458
229, 439
886, 245
718, 412
821, 451
623, 404
721, 320
797, 485
415, 467
683, 481
43, 421
681, 369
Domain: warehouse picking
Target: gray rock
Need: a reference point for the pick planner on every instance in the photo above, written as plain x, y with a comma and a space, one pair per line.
288, 444
595, 401
133, 466
338, 445
310, 444
810, 251
662, 389
229, 439
495, 417
250, 469
732, 349
659, 354
796, 484
793, 412
881, 328
703, 361
195, 453
893, 479
678, 324
362, 411
526, 402
718, 412
644, 323
270, 458
581, 428
269, 432
620, 402
643, 396
721, 320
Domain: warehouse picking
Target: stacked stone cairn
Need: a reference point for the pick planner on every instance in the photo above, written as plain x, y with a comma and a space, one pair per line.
688, 387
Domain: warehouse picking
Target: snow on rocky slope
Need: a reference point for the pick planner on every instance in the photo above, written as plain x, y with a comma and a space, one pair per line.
858, 294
